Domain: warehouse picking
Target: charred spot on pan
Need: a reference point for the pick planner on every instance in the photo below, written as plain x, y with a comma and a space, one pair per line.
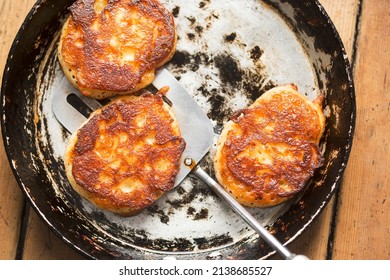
253, 81
212, 242
199, 30
186, 199
183, 59
203, 90
230, 38
176, 245
210, 19
191, 36
229, 70
219, 103
203, 4
140, 233
176, 11
180, 190
191, 211
182, 245
213, 16
254, 90
256, 53
210, 170
155, 210
219, 108
202, 214
191, 19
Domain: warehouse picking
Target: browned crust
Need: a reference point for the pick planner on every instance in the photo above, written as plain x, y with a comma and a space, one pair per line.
113, 148
146, 31
281, 128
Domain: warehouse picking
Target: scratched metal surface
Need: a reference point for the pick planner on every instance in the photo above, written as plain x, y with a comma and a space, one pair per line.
228, 54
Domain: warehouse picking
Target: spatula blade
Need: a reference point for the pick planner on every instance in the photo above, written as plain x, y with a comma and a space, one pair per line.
195, 126
66, 114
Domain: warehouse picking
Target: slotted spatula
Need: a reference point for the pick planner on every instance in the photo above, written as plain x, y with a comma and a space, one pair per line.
196, 129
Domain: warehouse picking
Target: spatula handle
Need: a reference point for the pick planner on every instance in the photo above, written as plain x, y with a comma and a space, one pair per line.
239, 209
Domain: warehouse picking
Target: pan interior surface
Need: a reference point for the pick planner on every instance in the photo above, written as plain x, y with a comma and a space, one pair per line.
228, 54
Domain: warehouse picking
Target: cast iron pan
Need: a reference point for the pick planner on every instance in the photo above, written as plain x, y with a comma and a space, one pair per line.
229, 52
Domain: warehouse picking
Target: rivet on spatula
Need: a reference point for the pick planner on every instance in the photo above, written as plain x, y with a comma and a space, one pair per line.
188, 161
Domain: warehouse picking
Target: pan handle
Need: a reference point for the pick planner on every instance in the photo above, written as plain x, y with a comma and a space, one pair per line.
239, 209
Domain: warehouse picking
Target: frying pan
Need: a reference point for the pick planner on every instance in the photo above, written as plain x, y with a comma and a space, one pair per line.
195, 128
227, 56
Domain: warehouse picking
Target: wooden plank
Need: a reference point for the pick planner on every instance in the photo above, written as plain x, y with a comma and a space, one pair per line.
40, 243
314, 241
343, 14
43, 244
364, 212
12, 15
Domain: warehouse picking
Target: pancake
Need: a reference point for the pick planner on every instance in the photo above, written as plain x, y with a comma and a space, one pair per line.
126, 155
267, 152
109, 48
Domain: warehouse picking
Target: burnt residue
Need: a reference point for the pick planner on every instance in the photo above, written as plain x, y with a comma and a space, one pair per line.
191, 36
257, 87
230, 38
198, 192
191, 19
219, 110
181, 59
250, 81
191, 211
202, 214
229, 68
176, 245
212, 16
212, 242
197, 33
186, 199
140, 238
199, 29
233, 77
180, 190
185, 61
176, 11
204, 4
198, 215
155, 210
256, 53
238, 78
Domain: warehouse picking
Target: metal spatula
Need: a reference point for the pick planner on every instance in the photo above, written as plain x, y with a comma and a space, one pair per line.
196, 129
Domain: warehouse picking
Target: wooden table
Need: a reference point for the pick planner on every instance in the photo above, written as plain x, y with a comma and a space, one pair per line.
355, 225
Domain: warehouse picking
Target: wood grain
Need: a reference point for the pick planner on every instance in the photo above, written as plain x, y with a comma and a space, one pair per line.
12, 14
363, 222
43, 244
343, 15
40, 243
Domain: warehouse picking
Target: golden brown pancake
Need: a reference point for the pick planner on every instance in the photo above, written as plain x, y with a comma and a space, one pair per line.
267, 152
126, 155
108, 48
